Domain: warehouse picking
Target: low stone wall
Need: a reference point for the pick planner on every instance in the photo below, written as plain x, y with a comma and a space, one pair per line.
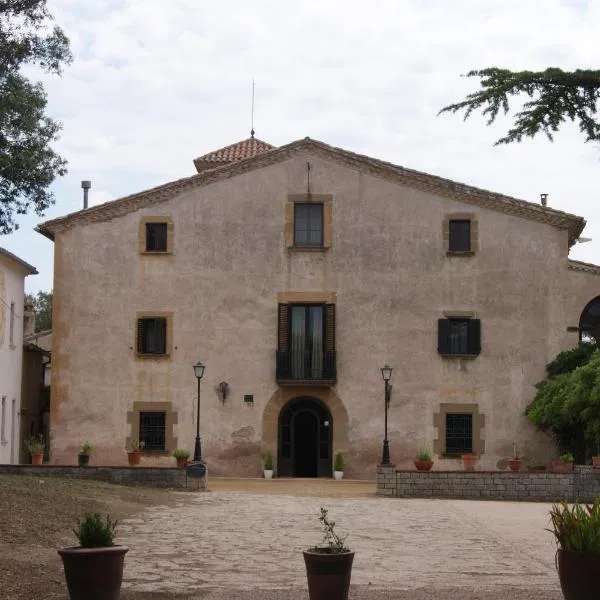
582, 485
148, 476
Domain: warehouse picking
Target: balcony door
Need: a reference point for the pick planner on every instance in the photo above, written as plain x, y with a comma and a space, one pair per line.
306, 338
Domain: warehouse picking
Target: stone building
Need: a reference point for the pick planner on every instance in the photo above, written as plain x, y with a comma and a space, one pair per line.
294, 274
13, 320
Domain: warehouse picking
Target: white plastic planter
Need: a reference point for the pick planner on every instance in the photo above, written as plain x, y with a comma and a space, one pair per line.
268, 474
337, 475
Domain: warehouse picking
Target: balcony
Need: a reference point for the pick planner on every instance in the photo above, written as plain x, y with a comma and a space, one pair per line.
305, 370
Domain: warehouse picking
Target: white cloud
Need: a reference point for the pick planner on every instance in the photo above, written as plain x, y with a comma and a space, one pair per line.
155, 84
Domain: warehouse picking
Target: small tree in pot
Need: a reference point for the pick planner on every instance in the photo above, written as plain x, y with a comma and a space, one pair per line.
36, 447
328, 567
94, 569
268, 466
83, 458
576, 530
338, 467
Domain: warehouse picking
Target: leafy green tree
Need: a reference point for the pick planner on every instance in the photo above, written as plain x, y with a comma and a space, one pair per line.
42, 305
555, 96
567, 402
28, 165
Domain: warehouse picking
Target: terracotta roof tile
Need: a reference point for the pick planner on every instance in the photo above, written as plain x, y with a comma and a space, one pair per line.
238, 151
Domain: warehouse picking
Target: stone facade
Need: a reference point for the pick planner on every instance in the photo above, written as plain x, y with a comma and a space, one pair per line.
13, 271
384, 264
582, 485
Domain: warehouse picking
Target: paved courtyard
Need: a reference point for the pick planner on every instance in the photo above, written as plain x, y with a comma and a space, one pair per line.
246, 536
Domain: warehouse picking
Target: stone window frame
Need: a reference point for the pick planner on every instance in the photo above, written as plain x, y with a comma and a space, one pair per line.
460, 315
471, 217
170, 235
133, 420
145, 314
439, 422
327, 201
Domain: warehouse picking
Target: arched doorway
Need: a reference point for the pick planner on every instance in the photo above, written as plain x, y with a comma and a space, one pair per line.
305, 436
589, 323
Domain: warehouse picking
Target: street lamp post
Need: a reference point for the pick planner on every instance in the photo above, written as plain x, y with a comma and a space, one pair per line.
386, 373
198, 371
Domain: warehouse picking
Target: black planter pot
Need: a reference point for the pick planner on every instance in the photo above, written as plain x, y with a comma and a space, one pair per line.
94, 573
579, 574
84, 459
328, 574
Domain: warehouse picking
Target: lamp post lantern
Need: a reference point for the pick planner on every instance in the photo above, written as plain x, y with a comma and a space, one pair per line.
198, 372
386, 373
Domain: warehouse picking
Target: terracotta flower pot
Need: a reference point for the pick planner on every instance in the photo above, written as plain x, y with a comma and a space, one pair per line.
328, 574
469, 461
579, 574
182, 462
596, 461
514, 464
37, 458
423, 465
559, 466
134, 458
94, 573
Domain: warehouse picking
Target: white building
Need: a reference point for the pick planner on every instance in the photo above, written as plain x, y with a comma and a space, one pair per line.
13, 271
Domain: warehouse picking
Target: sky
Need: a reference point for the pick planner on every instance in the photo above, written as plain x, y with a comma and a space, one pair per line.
155, 84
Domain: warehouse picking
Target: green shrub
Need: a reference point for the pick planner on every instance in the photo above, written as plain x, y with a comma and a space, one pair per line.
424, 455
576, 528
86, 448
268, 461
179, 453
94, 532
339, 462
568, 457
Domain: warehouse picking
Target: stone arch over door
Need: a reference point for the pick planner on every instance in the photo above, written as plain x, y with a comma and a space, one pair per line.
283, 395
589, 322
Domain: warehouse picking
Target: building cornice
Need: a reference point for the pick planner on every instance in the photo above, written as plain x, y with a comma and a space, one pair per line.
577, 265
364, 164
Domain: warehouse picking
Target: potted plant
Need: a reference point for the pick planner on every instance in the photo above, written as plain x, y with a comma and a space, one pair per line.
94, 569
182, 458
134, 451
424, 461
268, 466
83, 458
564, 464
36, 447
469, 461
596, 459
514, 462
328, 567
576, 531
338, 466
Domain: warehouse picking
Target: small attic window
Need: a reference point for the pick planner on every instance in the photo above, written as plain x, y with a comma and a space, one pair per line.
156, 237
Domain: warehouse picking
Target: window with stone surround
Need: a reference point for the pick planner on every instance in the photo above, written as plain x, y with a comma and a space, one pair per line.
308, 221
459, 433
153, 423
156, 235
153, 430
460, 234
459, 336
460, 430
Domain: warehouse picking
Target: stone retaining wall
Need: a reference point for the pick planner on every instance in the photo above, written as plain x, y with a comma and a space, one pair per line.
148, 476
582, 485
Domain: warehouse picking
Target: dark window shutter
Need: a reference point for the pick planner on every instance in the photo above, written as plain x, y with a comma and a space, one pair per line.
474, 336
329, 327
161, 336
283, 327
444, 336
141, 337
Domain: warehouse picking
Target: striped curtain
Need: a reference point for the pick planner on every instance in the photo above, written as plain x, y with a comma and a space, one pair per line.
298, 341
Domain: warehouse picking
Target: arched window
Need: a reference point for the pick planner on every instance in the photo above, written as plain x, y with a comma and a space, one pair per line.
589, 323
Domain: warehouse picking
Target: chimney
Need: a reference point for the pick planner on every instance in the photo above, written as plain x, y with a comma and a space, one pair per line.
544, 199
85, 185
28, 319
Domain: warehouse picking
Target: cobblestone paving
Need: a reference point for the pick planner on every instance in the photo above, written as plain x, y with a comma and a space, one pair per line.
247, 540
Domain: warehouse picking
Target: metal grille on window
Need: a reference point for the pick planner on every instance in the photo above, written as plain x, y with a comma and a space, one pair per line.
459, 433
156, 237
459, 336
308, 224
459, 235
152, 430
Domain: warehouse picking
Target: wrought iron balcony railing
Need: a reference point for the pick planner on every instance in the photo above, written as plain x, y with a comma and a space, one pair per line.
304, 367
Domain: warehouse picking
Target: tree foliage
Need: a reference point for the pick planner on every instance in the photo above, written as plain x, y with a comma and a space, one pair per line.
555, 96
42, 305
567, 402
28, 164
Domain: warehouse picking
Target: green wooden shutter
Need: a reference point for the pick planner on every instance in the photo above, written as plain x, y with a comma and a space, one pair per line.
444, 336
474, 336
283, 327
